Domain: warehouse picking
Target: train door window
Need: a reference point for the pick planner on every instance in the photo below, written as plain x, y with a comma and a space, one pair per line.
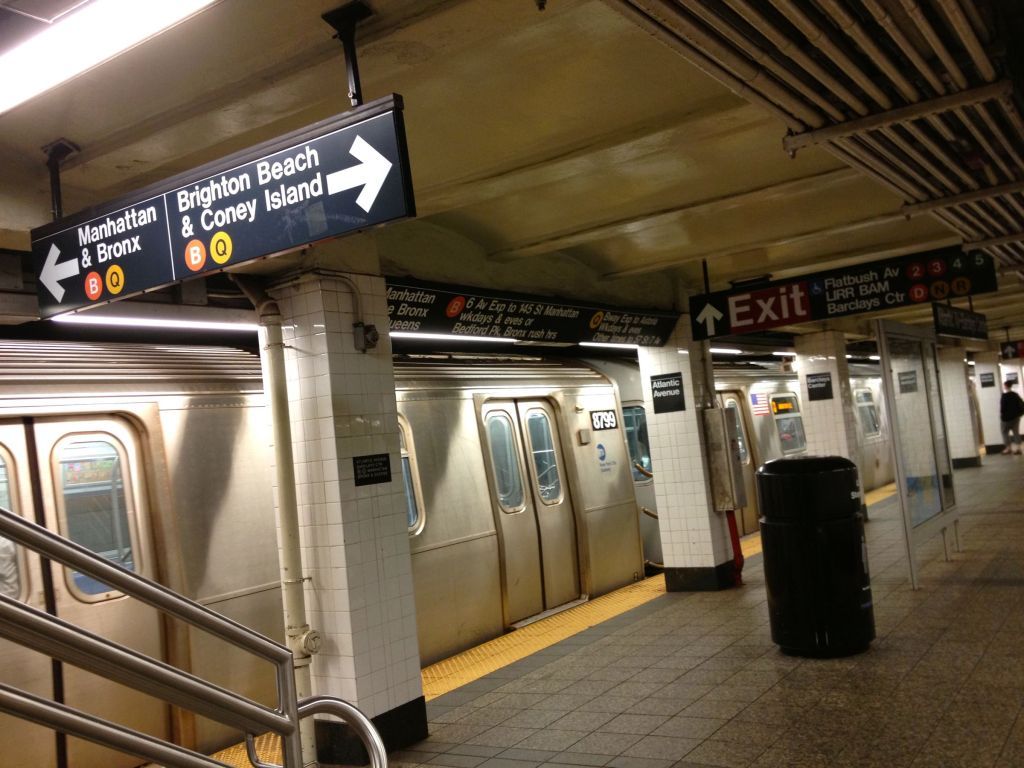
741, 441
545, 462
410, 481
789, 422
95, 504
508, 479
867, 412
635, 419
10, 567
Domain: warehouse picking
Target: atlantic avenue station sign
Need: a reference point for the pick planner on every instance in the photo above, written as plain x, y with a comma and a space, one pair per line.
343, 174
928, 276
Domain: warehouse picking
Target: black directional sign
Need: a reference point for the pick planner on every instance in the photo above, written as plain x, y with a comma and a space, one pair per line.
343, 174
879, 285
953, 321
418, 307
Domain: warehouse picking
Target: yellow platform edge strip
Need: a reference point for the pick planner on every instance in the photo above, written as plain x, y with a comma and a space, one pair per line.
449, 674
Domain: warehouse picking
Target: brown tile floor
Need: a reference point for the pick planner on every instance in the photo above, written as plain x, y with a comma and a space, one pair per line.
693, 679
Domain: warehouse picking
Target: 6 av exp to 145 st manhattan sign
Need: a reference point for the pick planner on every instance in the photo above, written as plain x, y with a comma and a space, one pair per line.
417, 307
343, 174
928, 276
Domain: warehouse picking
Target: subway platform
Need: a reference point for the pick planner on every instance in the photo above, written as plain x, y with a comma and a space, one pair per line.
693, 679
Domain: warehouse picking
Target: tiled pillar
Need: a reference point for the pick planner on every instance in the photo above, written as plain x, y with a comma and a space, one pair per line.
988, 382
355, 541
961, 437
694, 539
830, 423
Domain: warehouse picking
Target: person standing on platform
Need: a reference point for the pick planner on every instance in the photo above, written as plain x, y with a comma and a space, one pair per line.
1011, 408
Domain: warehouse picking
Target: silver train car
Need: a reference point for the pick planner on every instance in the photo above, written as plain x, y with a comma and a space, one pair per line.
769, 423
155, 457
520, 502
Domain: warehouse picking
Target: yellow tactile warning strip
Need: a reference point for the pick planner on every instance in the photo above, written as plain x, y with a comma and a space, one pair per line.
268, 749
469, 665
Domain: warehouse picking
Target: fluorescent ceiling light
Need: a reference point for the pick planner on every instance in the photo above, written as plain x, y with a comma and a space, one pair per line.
784, 354
874, 357
90, 318
79, 41
726, 351
607, 344
449, 337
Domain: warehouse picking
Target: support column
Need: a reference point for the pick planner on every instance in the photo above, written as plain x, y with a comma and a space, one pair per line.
830, 424
355, 540
694, 538
961, 435
988, 381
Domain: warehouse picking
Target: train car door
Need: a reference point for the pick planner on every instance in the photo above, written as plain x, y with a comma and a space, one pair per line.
747, 517
537, 524
91, 483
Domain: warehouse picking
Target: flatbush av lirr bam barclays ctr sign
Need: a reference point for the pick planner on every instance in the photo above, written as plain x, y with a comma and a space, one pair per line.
922, 277
337, 176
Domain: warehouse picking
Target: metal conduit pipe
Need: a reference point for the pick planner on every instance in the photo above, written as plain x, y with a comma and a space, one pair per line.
859, 35
886, 21
970, 40
899, 164
703, 63
986, 114
824, 43
792, 51
919, 157
669, 16
926, 29
762, 57
301, 640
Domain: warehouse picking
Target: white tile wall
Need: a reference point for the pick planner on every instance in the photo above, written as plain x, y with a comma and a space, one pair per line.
830, 425
692, 534
963, 442
355, 540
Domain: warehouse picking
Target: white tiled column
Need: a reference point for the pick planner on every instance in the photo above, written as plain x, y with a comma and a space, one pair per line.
830, 425
355, 541
961, 437
694, 539
987, 369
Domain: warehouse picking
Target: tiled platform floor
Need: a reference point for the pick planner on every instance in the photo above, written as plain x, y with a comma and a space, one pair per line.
693, 679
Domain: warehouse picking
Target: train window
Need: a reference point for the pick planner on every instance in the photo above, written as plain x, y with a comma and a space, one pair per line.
94, 486
867, 411
545, 461
635, 419
789, 422
10, 568
410, 481
507, 476
740, 440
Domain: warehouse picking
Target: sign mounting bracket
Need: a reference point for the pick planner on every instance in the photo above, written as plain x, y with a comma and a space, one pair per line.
56, 153
344, 20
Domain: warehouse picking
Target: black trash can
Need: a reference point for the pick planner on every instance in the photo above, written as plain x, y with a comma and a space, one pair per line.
815, 557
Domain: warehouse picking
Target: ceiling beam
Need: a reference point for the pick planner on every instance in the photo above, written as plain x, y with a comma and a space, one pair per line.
818, 182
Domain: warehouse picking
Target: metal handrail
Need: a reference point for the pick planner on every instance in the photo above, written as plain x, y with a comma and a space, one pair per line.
59, 639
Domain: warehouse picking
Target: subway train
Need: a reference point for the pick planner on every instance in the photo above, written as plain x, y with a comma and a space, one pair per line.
769, 425
522, 479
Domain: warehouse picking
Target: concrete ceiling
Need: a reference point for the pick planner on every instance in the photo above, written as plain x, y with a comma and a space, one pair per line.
564, 152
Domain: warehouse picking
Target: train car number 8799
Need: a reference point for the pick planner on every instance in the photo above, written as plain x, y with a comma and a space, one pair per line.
603, 420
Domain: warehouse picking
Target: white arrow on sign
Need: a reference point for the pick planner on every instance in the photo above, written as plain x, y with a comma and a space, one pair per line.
52, 272
708, 316
369, 174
